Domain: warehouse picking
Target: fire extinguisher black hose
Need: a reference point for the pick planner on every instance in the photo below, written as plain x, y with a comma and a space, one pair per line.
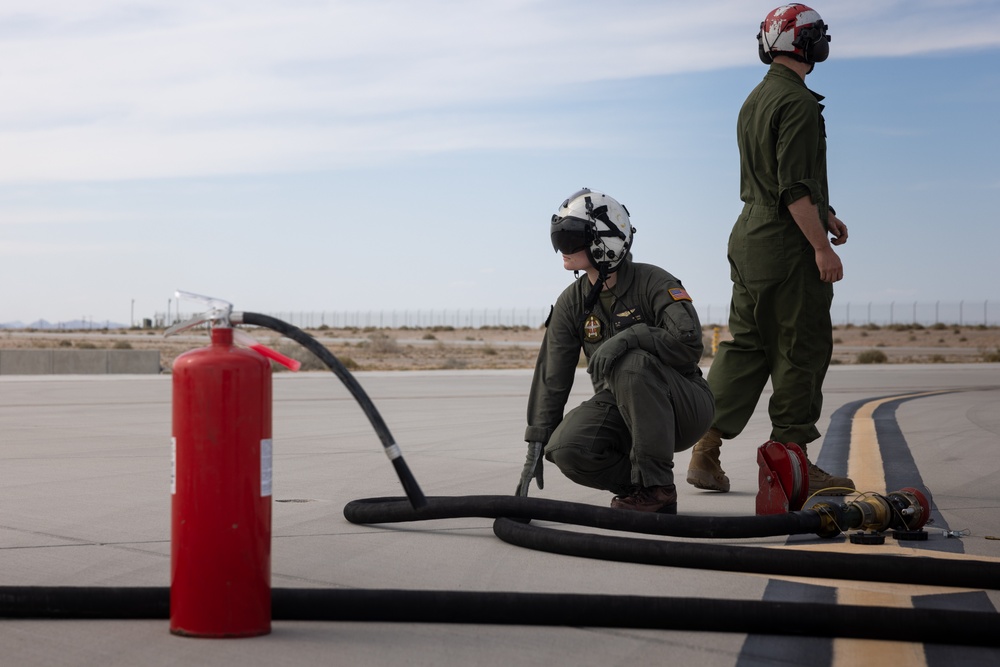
409, 482
511, 511
931, 626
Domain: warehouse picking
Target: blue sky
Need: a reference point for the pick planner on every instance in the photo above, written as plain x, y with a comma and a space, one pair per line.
314, 155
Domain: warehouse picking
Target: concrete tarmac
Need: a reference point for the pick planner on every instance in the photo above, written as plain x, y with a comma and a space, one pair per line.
85, 465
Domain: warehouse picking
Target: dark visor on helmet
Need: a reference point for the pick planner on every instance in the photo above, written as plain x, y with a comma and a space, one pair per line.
571, 235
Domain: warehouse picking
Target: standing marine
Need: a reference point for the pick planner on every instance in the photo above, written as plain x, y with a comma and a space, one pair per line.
781, 257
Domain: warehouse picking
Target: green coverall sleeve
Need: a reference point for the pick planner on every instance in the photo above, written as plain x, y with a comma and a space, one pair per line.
555, 370
675, 338
800, 138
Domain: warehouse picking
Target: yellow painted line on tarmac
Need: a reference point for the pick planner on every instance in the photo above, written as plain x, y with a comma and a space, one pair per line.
864, 464
890, 548
865, 467
854, 652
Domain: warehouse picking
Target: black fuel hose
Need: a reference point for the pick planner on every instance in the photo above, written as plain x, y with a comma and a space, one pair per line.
397, 510
409, 482
510, 512
916, 570
932, 626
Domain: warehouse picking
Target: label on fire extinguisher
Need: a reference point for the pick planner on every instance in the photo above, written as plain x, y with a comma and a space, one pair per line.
265, 467
173, 466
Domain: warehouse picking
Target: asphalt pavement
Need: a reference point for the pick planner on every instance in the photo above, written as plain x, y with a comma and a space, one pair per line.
85, 469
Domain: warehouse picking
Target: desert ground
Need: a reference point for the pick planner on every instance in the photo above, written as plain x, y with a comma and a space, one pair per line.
514, 347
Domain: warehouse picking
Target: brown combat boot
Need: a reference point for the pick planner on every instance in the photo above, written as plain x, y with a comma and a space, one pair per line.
705, 471
823, 483
660, 499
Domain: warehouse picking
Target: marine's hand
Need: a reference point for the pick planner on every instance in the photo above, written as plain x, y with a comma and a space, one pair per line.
606, 355
532, 469
838, 230
830, 267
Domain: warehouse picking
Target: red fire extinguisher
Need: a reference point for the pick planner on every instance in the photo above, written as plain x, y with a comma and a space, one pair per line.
220, 569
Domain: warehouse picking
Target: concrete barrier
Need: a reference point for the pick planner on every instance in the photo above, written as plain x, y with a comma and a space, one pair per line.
133, 362
25, 362
79, 362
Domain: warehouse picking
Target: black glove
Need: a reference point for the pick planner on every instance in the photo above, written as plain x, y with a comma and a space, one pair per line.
607, 354
532, 468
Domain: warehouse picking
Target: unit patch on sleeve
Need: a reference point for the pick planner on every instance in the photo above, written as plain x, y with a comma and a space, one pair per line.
679, 294
592, 329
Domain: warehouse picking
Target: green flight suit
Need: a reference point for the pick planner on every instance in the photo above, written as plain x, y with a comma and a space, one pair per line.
780, 311
653, 401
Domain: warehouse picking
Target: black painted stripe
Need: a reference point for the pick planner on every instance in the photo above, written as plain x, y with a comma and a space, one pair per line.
761, 650
900, 471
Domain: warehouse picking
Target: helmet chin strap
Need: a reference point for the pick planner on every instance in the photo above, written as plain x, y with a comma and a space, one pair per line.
595, 289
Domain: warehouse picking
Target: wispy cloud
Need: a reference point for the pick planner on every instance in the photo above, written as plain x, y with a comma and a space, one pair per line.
48, 250
10, 216
115, 89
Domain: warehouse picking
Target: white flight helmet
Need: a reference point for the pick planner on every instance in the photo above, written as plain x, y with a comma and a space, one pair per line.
796, 31
593, 221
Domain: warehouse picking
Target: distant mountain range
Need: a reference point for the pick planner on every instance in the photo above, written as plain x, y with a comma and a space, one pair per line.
44, 325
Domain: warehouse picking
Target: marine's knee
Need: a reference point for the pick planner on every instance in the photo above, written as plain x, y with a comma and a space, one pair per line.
637, 361
635, 366
566, 457
576, 459
609, 470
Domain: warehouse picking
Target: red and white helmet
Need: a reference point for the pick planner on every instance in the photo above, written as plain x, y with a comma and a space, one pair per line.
796, 31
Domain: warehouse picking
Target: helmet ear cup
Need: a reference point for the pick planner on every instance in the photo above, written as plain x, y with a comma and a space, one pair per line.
819, 50
813, 42
765, 57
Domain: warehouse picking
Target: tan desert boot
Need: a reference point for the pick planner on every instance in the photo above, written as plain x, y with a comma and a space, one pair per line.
705, 471
825, 484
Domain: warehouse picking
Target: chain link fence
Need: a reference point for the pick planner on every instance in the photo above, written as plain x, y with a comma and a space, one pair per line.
960, 313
